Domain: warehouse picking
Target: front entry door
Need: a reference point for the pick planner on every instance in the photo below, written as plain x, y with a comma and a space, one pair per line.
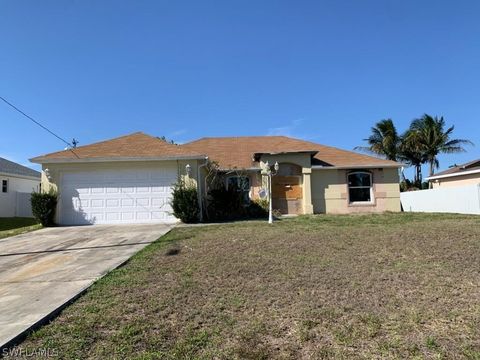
287, 194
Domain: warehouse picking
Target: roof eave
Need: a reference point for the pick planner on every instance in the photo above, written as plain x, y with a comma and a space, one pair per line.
20, 176
42, 160
468, 172
239, 169
342, 167
257, 155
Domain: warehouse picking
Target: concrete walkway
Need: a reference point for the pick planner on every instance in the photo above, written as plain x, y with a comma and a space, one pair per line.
43, 270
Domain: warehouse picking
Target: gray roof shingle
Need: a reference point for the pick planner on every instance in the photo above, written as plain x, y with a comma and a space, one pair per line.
10, 167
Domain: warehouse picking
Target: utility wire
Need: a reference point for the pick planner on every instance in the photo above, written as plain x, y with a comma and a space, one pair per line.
36, 122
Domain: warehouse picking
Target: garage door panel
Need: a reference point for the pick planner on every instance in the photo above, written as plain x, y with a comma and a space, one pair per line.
127, 202
142, 215
112, 203
97, 203
122, 196
128, 216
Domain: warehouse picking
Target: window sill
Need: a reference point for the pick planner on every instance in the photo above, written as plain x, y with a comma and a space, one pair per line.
362, 204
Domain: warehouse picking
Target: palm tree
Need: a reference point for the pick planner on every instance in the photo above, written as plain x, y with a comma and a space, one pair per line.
383, 141
432, 139
412, 155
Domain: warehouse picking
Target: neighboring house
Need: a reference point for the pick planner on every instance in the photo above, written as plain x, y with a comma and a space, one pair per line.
17, 183
459, 175
128, 179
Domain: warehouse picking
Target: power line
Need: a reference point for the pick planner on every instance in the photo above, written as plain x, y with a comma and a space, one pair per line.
36, 122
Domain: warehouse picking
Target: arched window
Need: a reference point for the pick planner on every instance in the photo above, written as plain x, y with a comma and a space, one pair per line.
360, 187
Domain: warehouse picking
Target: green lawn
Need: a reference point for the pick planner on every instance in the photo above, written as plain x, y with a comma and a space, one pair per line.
17, 225
366, 286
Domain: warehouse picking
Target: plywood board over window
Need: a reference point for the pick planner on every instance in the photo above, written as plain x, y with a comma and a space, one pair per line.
287, 190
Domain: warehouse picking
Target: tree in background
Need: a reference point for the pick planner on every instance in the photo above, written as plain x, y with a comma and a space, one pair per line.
432, 139
163, 138
383, 141
421, 144
412, 155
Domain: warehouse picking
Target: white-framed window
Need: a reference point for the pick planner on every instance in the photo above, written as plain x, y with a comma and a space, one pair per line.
241, 184
360, 187
4, 186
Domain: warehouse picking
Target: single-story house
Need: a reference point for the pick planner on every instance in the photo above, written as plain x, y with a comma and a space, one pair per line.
129, 179
15, 179
458, 175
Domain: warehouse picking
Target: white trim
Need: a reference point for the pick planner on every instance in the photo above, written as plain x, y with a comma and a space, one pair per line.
21, 176
321, 167
7, 186
114, 159
372, 193
434, 177
239, 169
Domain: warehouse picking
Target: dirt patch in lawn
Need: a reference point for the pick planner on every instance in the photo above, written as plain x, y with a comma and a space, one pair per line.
365, 286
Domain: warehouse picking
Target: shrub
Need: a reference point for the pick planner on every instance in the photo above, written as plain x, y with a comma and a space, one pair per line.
258, 209
44, 206
225, 204
185, 203
407, 185
228, 204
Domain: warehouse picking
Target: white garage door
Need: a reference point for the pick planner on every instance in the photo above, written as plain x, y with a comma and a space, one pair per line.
117, 196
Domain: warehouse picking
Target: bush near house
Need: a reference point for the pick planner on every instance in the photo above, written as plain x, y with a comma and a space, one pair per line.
185, 203
229, 204
224, 203
44, 206
257, 209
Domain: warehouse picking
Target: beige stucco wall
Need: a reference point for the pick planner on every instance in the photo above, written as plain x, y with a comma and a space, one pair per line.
457, 181
301, 159
330, 192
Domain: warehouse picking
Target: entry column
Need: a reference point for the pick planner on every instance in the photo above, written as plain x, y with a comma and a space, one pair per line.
307, 191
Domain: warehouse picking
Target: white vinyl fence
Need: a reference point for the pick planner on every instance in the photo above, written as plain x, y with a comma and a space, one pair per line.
462, 200
15, 203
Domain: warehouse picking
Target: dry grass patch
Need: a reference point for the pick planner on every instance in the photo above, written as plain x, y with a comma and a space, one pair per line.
367, 286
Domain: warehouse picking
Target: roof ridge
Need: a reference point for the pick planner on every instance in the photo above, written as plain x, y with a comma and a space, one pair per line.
112, 139
97, 142
306, 142
237, 137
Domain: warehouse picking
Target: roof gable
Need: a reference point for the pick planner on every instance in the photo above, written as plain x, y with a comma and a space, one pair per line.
134, 146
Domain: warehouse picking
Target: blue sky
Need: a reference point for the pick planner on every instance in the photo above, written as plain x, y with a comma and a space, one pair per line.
325, 71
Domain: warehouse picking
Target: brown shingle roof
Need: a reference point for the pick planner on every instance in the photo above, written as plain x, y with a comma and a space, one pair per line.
238, 151
137, 145
229, 152
458, 169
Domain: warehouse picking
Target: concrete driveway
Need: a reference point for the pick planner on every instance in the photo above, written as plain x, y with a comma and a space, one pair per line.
42, 270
